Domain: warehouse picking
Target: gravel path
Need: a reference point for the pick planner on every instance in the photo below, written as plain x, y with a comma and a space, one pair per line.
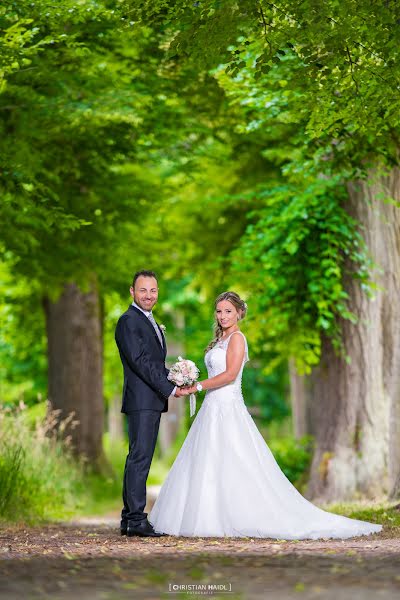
89, 560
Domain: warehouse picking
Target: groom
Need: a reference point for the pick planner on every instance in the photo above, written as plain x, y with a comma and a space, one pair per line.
142, 349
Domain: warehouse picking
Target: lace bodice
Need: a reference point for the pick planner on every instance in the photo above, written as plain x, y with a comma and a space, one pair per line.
215, 360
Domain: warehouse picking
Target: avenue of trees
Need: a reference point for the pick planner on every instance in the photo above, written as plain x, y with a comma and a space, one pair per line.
243, 145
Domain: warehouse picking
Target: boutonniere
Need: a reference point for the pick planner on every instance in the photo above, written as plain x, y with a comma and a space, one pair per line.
163, 328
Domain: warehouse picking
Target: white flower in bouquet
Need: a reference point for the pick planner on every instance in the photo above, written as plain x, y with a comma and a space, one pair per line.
185, 373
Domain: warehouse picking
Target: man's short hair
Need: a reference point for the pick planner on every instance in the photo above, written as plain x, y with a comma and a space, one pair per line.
143, 274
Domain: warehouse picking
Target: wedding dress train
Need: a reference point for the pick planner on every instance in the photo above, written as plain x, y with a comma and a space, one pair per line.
226, 482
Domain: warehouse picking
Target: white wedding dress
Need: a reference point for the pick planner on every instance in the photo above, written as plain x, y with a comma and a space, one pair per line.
226, 482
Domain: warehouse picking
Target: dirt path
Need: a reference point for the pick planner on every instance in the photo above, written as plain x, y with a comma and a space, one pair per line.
92, 561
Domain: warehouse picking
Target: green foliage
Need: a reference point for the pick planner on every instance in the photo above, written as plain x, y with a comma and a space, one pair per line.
294, 257
347, 52
268, 392
38, 477
23, 361
113, 373
209, 140
76, 130
298, 130
293, 457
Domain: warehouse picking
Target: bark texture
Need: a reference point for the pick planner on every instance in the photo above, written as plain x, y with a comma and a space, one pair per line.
355, 407
75, 368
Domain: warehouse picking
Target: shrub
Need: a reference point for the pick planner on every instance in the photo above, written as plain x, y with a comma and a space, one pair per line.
38, 476
293, 456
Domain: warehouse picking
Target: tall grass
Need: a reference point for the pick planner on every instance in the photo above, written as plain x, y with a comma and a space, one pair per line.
38, 476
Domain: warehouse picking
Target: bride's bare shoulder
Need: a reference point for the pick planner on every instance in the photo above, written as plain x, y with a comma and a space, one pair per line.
237, 342
241, 336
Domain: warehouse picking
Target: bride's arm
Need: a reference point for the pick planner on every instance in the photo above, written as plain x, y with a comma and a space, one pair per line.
234, 360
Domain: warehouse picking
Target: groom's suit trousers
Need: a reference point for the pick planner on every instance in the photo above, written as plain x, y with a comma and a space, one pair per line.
143, 428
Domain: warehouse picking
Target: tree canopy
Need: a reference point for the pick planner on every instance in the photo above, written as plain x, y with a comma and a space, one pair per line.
212, 139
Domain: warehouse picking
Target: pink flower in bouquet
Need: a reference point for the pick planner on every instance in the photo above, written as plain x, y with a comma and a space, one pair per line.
184, 372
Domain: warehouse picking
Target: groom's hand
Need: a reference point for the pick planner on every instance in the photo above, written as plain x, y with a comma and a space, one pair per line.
181, 392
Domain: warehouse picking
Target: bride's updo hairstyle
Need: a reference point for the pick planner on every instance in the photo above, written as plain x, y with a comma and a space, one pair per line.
240, 306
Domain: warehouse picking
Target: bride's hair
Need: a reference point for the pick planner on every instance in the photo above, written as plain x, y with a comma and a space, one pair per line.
240, 306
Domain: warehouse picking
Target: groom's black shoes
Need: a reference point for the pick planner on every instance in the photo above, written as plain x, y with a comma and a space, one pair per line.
141, 529
124, 526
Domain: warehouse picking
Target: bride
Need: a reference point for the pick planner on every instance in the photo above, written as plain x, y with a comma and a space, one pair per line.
225, 480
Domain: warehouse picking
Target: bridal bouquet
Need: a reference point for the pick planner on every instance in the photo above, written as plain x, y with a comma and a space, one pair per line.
185, 373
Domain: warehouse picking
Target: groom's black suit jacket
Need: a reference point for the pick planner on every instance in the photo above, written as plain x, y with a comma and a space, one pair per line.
143, 358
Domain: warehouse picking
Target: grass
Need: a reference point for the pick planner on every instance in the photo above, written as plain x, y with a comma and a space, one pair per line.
41, 481
38, 477
384, 512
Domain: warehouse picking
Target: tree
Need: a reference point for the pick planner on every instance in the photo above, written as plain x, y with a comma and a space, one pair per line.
305, 248
77, 108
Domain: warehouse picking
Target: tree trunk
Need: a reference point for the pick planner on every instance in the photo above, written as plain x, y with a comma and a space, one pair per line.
356, 406
75, 369
301, 401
